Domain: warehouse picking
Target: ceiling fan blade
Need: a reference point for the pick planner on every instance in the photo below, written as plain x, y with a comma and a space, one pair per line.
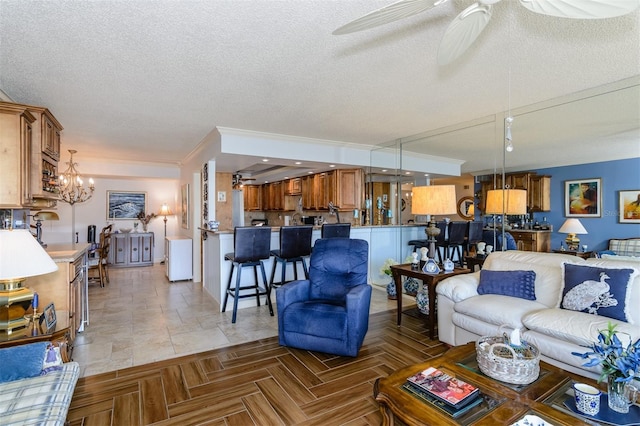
463, 31
393, 12
582, 9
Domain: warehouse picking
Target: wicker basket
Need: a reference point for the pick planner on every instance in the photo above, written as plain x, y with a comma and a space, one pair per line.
516, 365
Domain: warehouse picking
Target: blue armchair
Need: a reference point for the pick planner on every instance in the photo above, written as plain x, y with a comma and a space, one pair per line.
329, 312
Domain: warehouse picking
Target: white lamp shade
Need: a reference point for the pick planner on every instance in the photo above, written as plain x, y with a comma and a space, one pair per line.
506, 201
165, 210
572, 226
433, 200
22, 256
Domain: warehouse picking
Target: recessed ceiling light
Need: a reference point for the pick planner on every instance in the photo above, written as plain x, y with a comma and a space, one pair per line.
266, 181
426, 174
298, 162
332, 165
309, 173
407, 173
384, 170
264, 160
286, 177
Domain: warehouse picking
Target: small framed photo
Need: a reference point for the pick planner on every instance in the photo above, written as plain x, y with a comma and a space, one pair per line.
583, 198
49, 315
629, 206
125, 204
184, 207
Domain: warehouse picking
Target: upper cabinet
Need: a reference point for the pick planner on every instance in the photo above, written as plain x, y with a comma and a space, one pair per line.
30, 141
16, 137
341, 187
538, 189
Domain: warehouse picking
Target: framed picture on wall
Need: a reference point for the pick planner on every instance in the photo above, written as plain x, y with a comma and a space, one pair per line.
125, 204
583, 198
184, 207
629, 206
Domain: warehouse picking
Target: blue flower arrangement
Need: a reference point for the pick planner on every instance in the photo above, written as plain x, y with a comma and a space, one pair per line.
617, 361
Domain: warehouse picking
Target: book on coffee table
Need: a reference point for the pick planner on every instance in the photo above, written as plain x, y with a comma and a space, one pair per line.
444, 387
440, 405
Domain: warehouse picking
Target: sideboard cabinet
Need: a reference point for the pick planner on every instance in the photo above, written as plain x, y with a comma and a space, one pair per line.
131, 249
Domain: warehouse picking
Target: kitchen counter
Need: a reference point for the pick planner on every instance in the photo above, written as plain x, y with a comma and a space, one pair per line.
66, 252
385, 241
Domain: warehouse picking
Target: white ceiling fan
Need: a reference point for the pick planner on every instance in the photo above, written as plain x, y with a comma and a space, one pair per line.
468, 25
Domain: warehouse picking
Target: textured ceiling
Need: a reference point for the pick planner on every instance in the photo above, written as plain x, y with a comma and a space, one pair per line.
147, 80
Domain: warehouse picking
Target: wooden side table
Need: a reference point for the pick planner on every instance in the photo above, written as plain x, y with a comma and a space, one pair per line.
430, 280
59, 335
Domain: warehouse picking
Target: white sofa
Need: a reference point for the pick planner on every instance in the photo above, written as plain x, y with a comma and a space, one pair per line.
464, 315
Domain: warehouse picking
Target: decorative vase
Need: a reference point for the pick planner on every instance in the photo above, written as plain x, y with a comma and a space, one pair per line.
422, 300
411, 286
448, 265
144, 227
621, 394
391, 290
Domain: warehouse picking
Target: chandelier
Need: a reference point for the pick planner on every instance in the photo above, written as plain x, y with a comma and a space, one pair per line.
71, 187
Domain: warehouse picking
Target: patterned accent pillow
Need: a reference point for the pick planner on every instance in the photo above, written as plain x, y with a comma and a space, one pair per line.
508, 283
599, 291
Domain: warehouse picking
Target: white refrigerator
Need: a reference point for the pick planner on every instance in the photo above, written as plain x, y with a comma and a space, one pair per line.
179, 258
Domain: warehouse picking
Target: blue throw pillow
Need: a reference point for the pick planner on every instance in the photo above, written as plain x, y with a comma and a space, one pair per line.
21, 362
508, 283
597, 290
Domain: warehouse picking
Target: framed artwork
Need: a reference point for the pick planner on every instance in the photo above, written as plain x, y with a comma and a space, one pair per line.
583, 198
629, 206
184, 207
49, 315
127, 205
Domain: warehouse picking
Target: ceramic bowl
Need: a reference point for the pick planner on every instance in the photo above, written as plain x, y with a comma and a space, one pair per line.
124, 230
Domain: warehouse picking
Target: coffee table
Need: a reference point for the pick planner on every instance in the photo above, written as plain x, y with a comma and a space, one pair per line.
504, 404
430, 280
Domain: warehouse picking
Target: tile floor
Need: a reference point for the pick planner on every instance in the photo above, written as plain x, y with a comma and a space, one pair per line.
139, 317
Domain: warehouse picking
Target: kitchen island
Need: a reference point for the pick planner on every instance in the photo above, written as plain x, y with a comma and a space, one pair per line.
386, 241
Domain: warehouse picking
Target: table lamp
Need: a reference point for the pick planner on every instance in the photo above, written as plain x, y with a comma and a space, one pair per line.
433, 200
572, 227
21, 256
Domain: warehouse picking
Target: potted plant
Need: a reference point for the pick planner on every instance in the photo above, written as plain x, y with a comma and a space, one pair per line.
620, 365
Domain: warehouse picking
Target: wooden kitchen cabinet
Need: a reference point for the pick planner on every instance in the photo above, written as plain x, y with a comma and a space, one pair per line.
252, 197
538, 189
538, 241
65, 288
16, 133
348, 189
30, 143
131, 249
539, 193
308, 192
293, 186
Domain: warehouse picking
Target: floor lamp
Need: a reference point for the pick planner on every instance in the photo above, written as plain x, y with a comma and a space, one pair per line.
165, 211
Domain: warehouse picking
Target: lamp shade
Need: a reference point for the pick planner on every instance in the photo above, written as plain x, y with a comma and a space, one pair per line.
46, 216
506, 201
21, 256
165, 210
572, 226
433, 200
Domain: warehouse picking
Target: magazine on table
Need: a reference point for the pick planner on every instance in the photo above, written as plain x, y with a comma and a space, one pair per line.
455, 392
420, 393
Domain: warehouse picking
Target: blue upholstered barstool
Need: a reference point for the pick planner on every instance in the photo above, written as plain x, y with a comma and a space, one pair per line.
335, 230
251, 245
456, 240
295, 245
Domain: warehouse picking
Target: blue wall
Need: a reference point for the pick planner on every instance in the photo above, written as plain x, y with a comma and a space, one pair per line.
616, 176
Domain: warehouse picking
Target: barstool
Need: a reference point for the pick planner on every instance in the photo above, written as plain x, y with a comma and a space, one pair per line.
295, 245
335, 230
474, 236
251, 246
457, 234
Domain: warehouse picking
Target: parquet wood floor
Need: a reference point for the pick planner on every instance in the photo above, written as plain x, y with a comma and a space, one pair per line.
256, 383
